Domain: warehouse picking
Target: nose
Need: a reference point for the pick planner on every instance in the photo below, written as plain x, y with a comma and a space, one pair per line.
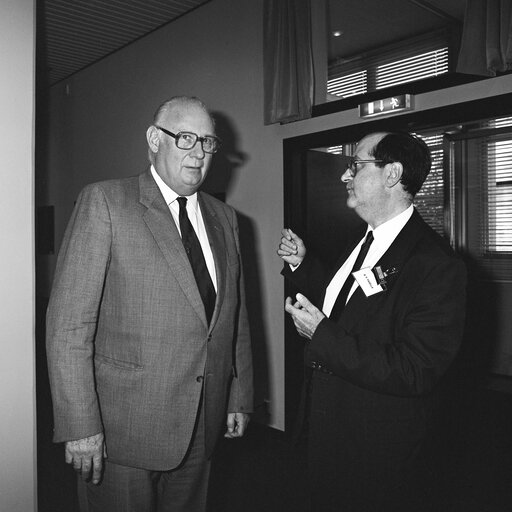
346, 176
197, 151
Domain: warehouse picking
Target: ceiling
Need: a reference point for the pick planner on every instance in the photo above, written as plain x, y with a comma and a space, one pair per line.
369, 24
73, 34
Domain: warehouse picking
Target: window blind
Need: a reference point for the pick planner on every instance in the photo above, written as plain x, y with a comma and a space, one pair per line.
495, 228
348, 85
336, 150
416, 58
429, 201
425, 65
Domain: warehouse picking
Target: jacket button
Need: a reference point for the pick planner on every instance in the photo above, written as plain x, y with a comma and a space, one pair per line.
199, 378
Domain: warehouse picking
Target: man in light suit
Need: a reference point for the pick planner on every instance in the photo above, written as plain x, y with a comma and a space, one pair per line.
144, 367
381, 332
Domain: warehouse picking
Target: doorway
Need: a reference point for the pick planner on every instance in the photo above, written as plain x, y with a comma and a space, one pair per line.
315, 209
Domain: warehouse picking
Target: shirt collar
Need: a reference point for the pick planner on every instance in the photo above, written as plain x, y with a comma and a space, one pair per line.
390, 229
169, 195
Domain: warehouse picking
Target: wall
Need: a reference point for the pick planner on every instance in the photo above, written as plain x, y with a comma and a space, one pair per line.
99, 118
17, 393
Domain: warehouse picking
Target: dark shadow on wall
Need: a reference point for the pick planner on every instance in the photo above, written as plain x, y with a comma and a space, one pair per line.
254, 299
223, 174
226, 162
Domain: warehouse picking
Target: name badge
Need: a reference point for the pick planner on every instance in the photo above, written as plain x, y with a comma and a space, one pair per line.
366, 280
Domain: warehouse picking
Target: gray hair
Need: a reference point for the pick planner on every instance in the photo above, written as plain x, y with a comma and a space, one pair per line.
176, 101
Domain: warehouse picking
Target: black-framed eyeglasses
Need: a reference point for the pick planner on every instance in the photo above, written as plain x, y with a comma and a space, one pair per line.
354, 162
187, 140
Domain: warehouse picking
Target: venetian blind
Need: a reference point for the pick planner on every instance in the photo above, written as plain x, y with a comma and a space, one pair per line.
429, 201
406, 61
495, 227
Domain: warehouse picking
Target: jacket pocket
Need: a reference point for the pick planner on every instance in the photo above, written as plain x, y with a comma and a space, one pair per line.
117, 363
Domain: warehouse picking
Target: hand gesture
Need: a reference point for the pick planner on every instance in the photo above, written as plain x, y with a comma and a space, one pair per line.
305, 315
291, 249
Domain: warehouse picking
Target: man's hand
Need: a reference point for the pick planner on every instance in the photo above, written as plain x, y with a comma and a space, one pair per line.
236, 424
291, 249
86, 455
306, 317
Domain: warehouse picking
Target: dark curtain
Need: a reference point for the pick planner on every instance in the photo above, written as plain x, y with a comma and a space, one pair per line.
486, 46
288, 60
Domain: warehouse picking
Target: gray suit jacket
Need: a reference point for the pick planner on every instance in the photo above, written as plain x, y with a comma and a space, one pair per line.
129, 349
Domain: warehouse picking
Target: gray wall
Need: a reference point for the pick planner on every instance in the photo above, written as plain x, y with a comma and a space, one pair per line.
97, 131
17, 382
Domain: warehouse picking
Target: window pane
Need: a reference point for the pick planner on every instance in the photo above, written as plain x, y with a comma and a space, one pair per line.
425, 65
430, 199
349, 85
422, 56
499, 203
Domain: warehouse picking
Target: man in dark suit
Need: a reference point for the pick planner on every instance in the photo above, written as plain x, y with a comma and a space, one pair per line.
382, 329
147, 334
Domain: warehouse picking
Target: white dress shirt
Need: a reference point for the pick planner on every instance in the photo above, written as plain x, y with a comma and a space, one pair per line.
383, 236
196, 219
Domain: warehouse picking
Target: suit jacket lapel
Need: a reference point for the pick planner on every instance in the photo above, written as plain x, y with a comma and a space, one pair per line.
215, 234
159, 220
396, 257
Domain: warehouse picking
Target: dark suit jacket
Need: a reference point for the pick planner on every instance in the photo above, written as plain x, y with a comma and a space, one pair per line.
129, 348
376, 366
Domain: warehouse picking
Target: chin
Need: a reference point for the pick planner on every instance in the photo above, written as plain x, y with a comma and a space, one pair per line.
351, 203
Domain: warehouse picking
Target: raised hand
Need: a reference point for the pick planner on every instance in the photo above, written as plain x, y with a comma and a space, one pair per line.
291, 249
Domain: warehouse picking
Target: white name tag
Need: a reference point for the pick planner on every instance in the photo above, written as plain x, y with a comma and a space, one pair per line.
366, 280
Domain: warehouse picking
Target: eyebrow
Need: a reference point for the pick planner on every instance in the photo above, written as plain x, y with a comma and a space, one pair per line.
192, 131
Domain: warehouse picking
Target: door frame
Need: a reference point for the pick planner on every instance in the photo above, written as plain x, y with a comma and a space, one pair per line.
294, 181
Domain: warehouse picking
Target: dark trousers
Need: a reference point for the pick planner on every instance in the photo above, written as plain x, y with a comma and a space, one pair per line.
127, 489
356, 464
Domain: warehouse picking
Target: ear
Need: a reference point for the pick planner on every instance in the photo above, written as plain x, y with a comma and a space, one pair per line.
394, 172
153, 138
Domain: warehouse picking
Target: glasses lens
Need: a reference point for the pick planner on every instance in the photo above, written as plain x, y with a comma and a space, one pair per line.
210, 144
186, 140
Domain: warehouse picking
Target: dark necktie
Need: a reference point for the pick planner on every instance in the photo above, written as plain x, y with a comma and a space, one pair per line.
197, 261
342, 296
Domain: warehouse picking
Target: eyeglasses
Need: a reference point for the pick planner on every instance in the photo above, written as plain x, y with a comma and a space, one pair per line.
187, 140
352, 166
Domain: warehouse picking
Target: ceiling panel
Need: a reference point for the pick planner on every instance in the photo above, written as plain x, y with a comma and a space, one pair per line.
73, 34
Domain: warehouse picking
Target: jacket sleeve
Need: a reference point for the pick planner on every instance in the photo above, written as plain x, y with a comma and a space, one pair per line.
72, 317
241, 392
407, 352
309, 278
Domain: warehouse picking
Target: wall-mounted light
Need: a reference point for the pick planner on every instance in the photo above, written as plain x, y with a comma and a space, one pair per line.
337, 33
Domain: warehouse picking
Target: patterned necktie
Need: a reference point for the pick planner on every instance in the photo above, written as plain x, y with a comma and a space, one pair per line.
197, 261
342, 296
